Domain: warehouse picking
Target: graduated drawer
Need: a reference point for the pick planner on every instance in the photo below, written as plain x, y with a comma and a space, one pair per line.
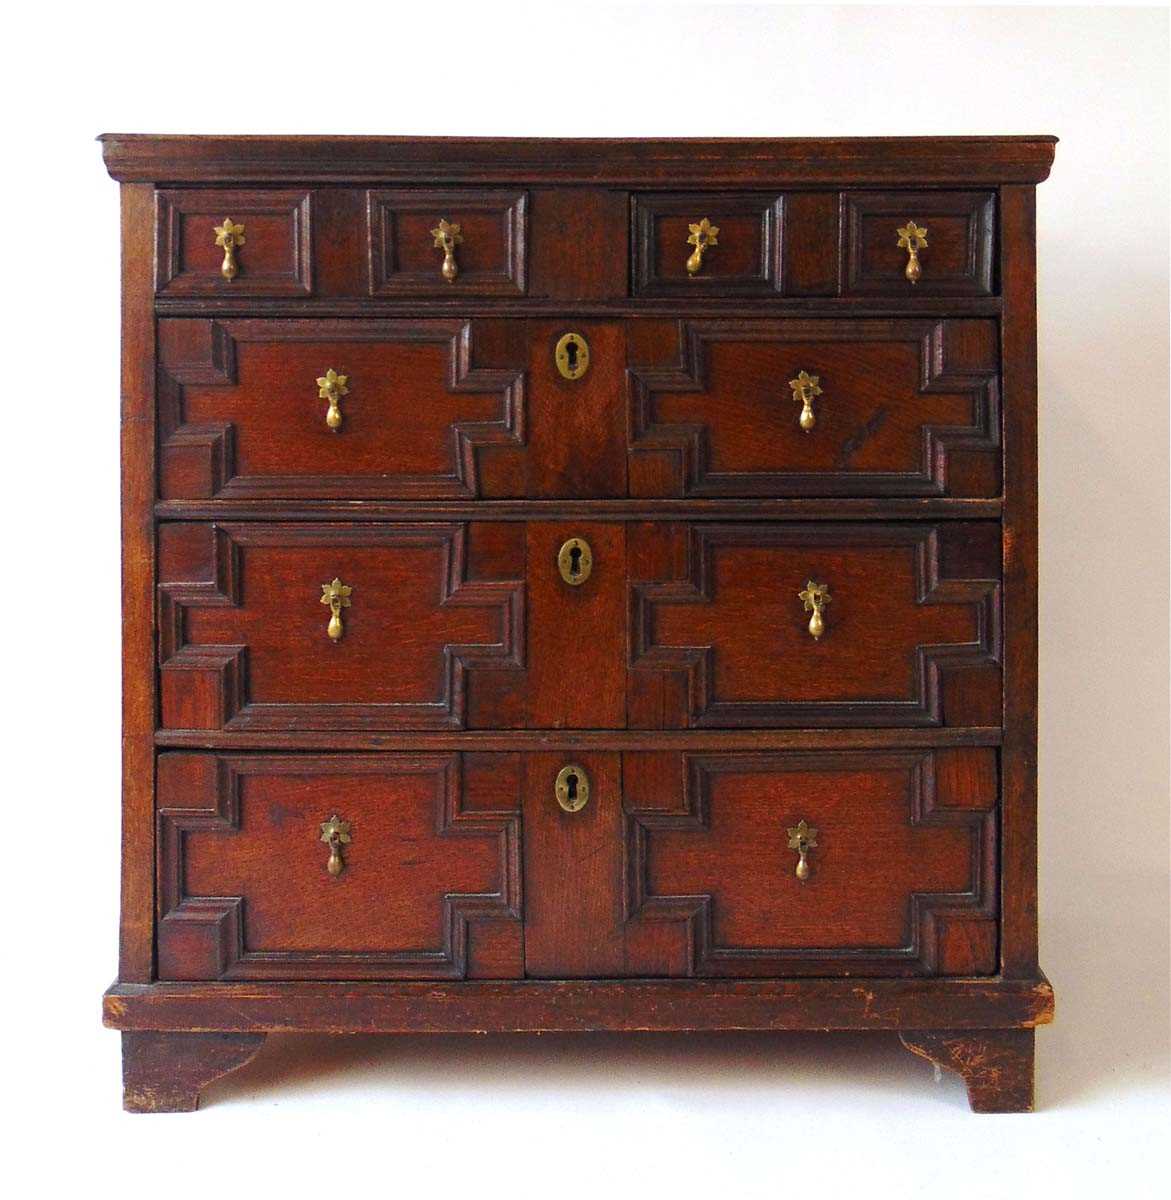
485, 624
816, 243
453, 408
380, 242
677, 864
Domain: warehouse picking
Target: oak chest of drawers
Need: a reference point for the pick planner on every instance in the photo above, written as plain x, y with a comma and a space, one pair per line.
578, 585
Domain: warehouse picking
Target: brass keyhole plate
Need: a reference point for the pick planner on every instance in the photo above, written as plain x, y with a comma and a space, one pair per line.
575, 561
572, 788
572, 356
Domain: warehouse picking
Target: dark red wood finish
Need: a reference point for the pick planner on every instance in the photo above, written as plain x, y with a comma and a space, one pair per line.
681, 676
430, 887
905, 408
956, 261
275, 257
719, 636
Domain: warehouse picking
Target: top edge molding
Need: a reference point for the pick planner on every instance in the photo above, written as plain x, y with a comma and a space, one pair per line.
713, 162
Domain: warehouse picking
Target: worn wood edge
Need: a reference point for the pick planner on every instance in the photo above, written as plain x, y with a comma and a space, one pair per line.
168, 1071
540, 1006
996, 1065
677, 162
585, 739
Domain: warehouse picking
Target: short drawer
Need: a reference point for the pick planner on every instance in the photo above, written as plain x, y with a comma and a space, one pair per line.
814, 408
706, 244
465, 242
392, 866
918, 243
234, 243
826, 863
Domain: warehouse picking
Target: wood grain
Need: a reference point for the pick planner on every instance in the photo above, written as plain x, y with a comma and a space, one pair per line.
681, 675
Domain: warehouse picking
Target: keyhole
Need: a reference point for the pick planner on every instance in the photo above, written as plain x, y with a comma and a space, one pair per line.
571, 355
575, 561
571, 788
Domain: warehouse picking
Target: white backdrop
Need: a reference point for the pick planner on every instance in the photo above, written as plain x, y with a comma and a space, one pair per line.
648, 1117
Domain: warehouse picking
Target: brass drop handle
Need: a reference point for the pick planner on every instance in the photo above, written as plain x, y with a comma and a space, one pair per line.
702, 235
331, 387
337, 596
447, 237
802, 838
229, 236
815, 596
912, 239
805, 388
335, 833
575, 561
572, 788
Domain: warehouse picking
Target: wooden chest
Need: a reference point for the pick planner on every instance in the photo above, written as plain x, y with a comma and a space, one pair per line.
578, 585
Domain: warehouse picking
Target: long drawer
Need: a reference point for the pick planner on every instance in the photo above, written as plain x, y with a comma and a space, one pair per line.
487, 408
441, 866
588, 624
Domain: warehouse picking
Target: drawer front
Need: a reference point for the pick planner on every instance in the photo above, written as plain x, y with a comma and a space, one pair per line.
952, 249
487, 624
814, 408
686, 864
425, 878
234, 243
412, 866
706, 244
740, 625
465, 242
478, 409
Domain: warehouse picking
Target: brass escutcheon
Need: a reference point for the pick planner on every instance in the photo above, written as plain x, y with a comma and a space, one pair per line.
228, 236
335, 833
912, 239
575, 561
802, 838
572, 355
572, 788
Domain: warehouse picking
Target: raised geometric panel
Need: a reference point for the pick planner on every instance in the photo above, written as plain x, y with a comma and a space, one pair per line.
912, 629
401, 250
241, 416
899, 401
242, 633
744, 261
275, 258
956, 261
902, 880
431, 883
